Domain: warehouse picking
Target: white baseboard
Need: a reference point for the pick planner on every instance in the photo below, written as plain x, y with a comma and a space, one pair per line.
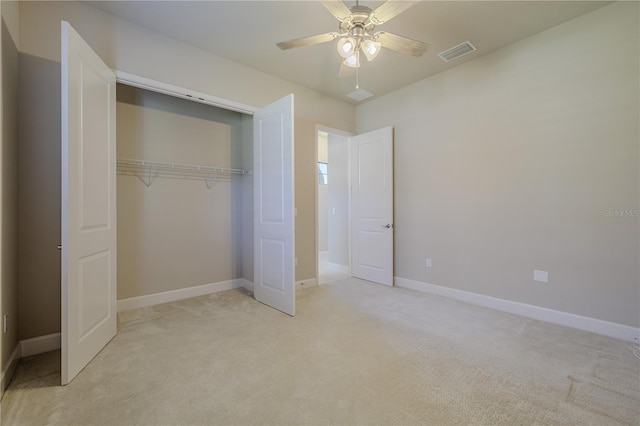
306, 283
39, 345
9, 369
606, 328
339, 268
183, 293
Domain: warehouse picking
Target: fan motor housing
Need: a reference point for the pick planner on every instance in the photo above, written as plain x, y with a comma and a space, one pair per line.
356, 25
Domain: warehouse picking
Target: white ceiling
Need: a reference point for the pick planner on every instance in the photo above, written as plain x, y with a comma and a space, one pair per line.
247, 32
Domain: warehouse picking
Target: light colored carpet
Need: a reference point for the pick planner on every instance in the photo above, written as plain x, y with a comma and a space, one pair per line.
356, 353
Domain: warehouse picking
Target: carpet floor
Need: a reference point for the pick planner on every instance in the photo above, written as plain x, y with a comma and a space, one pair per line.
356, 353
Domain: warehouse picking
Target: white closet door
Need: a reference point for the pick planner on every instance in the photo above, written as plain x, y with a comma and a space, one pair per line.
88, 204
274, 264
372, 206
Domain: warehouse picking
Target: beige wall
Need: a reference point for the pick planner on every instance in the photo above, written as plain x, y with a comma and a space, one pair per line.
130, 48
516, 161
9, 181
177, 233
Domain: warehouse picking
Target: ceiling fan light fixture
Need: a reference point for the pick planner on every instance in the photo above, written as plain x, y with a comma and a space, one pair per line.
346, 47
371, 49
353, 61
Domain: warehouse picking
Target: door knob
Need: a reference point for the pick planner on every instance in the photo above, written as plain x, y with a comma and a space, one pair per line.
388, 225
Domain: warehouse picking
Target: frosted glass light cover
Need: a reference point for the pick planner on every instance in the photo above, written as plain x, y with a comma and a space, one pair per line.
371, 49
346, 46
353, 61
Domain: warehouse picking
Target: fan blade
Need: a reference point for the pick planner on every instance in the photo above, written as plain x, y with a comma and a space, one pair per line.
338, 9
388, 10
346, 71
401, 44
307, 41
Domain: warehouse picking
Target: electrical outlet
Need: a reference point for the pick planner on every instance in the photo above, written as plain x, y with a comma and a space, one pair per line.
5, 323
540, 276
428, 262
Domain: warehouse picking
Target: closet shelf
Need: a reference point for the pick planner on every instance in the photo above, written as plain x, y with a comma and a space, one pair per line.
146, 171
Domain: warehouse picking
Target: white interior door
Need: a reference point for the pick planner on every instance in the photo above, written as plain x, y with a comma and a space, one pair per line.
274, 273
372, 206
88, 204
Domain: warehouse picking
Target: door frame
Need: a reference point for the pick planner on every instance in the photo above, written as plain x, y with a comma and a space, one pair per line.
145, 83
180, 92
338, 132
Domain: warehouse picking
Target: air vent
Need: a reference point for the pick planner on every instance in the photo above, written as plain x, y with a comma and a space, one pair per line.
360, 95
457, 51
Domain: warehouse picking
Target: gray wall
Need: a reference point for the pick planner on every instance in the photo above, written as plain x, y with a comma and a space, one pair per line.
9, 223
177, 233
519, 160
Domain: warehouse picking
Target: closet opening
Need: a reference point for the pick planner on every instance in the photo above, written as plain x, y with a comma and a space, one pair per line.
184, 198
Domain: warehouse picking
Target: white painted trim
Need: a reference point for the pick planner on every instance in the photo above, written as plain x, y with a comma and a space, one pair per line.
9, 369
180, 294
39, 345
606, 328
180, 92
306, 283
345, 269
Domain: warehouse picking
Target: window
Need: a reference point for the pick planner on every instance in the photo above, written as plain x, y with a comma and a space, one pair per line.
323, 173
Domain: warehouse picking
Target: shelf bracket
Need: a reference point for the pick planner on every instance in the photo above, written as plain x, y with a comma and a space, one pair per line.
148, 179
209, 182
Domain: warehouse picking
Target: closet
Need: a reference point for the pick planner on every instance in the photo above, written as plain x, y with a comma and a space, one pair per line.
183, 194
175, 233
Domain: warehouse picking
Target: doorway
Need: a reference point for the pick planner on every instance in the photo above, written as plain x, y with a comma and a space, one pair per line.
333, 211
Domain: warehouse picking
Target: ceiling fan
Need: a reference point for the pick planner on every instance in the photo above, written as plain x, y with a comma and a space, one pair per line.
356, 33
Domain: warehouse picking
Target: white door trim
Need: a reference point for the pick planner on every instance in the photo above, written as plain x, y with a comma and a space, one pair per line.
181, 92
